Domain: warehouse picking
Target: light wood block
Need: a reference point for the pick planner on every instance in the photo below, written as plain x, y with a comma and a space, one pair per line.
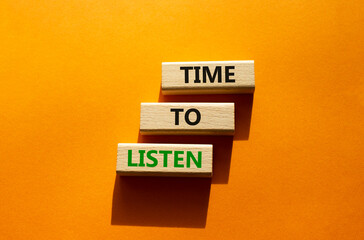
184, 160
187, 118
218, 77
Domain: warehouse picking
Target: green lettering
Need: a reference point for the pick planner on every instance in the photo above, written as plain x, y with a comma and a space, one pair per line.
141, 163
197, 162
177, 159
165, 157
130, 156
150, 157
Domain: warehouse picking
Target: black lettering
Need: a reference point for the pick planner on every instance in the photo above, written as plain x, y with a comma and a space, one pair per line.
187, 116
197, 74
186, 72
176, 118
206, 71
227, 73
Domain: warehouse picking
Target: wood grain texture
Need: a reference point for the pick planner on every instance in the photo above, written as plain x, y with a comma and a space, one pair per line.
160, 118
240, 79
183, 160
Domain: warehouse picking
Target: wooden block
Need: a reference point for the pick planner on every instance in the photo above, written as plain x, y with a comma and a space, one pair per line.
226, 77
184, 160
187, 118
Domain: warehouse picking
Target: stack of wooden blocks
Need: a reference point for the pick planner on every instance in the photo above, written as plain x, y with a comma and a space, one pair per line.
184, 78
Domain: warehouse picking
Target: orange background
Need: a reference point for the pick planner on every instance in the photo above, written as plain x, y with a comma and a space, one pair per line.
73, 75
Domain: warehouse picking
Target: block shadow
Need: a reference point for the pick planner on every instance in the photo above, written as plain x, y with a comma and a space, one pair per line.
179, 202
170, 201
160, 201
